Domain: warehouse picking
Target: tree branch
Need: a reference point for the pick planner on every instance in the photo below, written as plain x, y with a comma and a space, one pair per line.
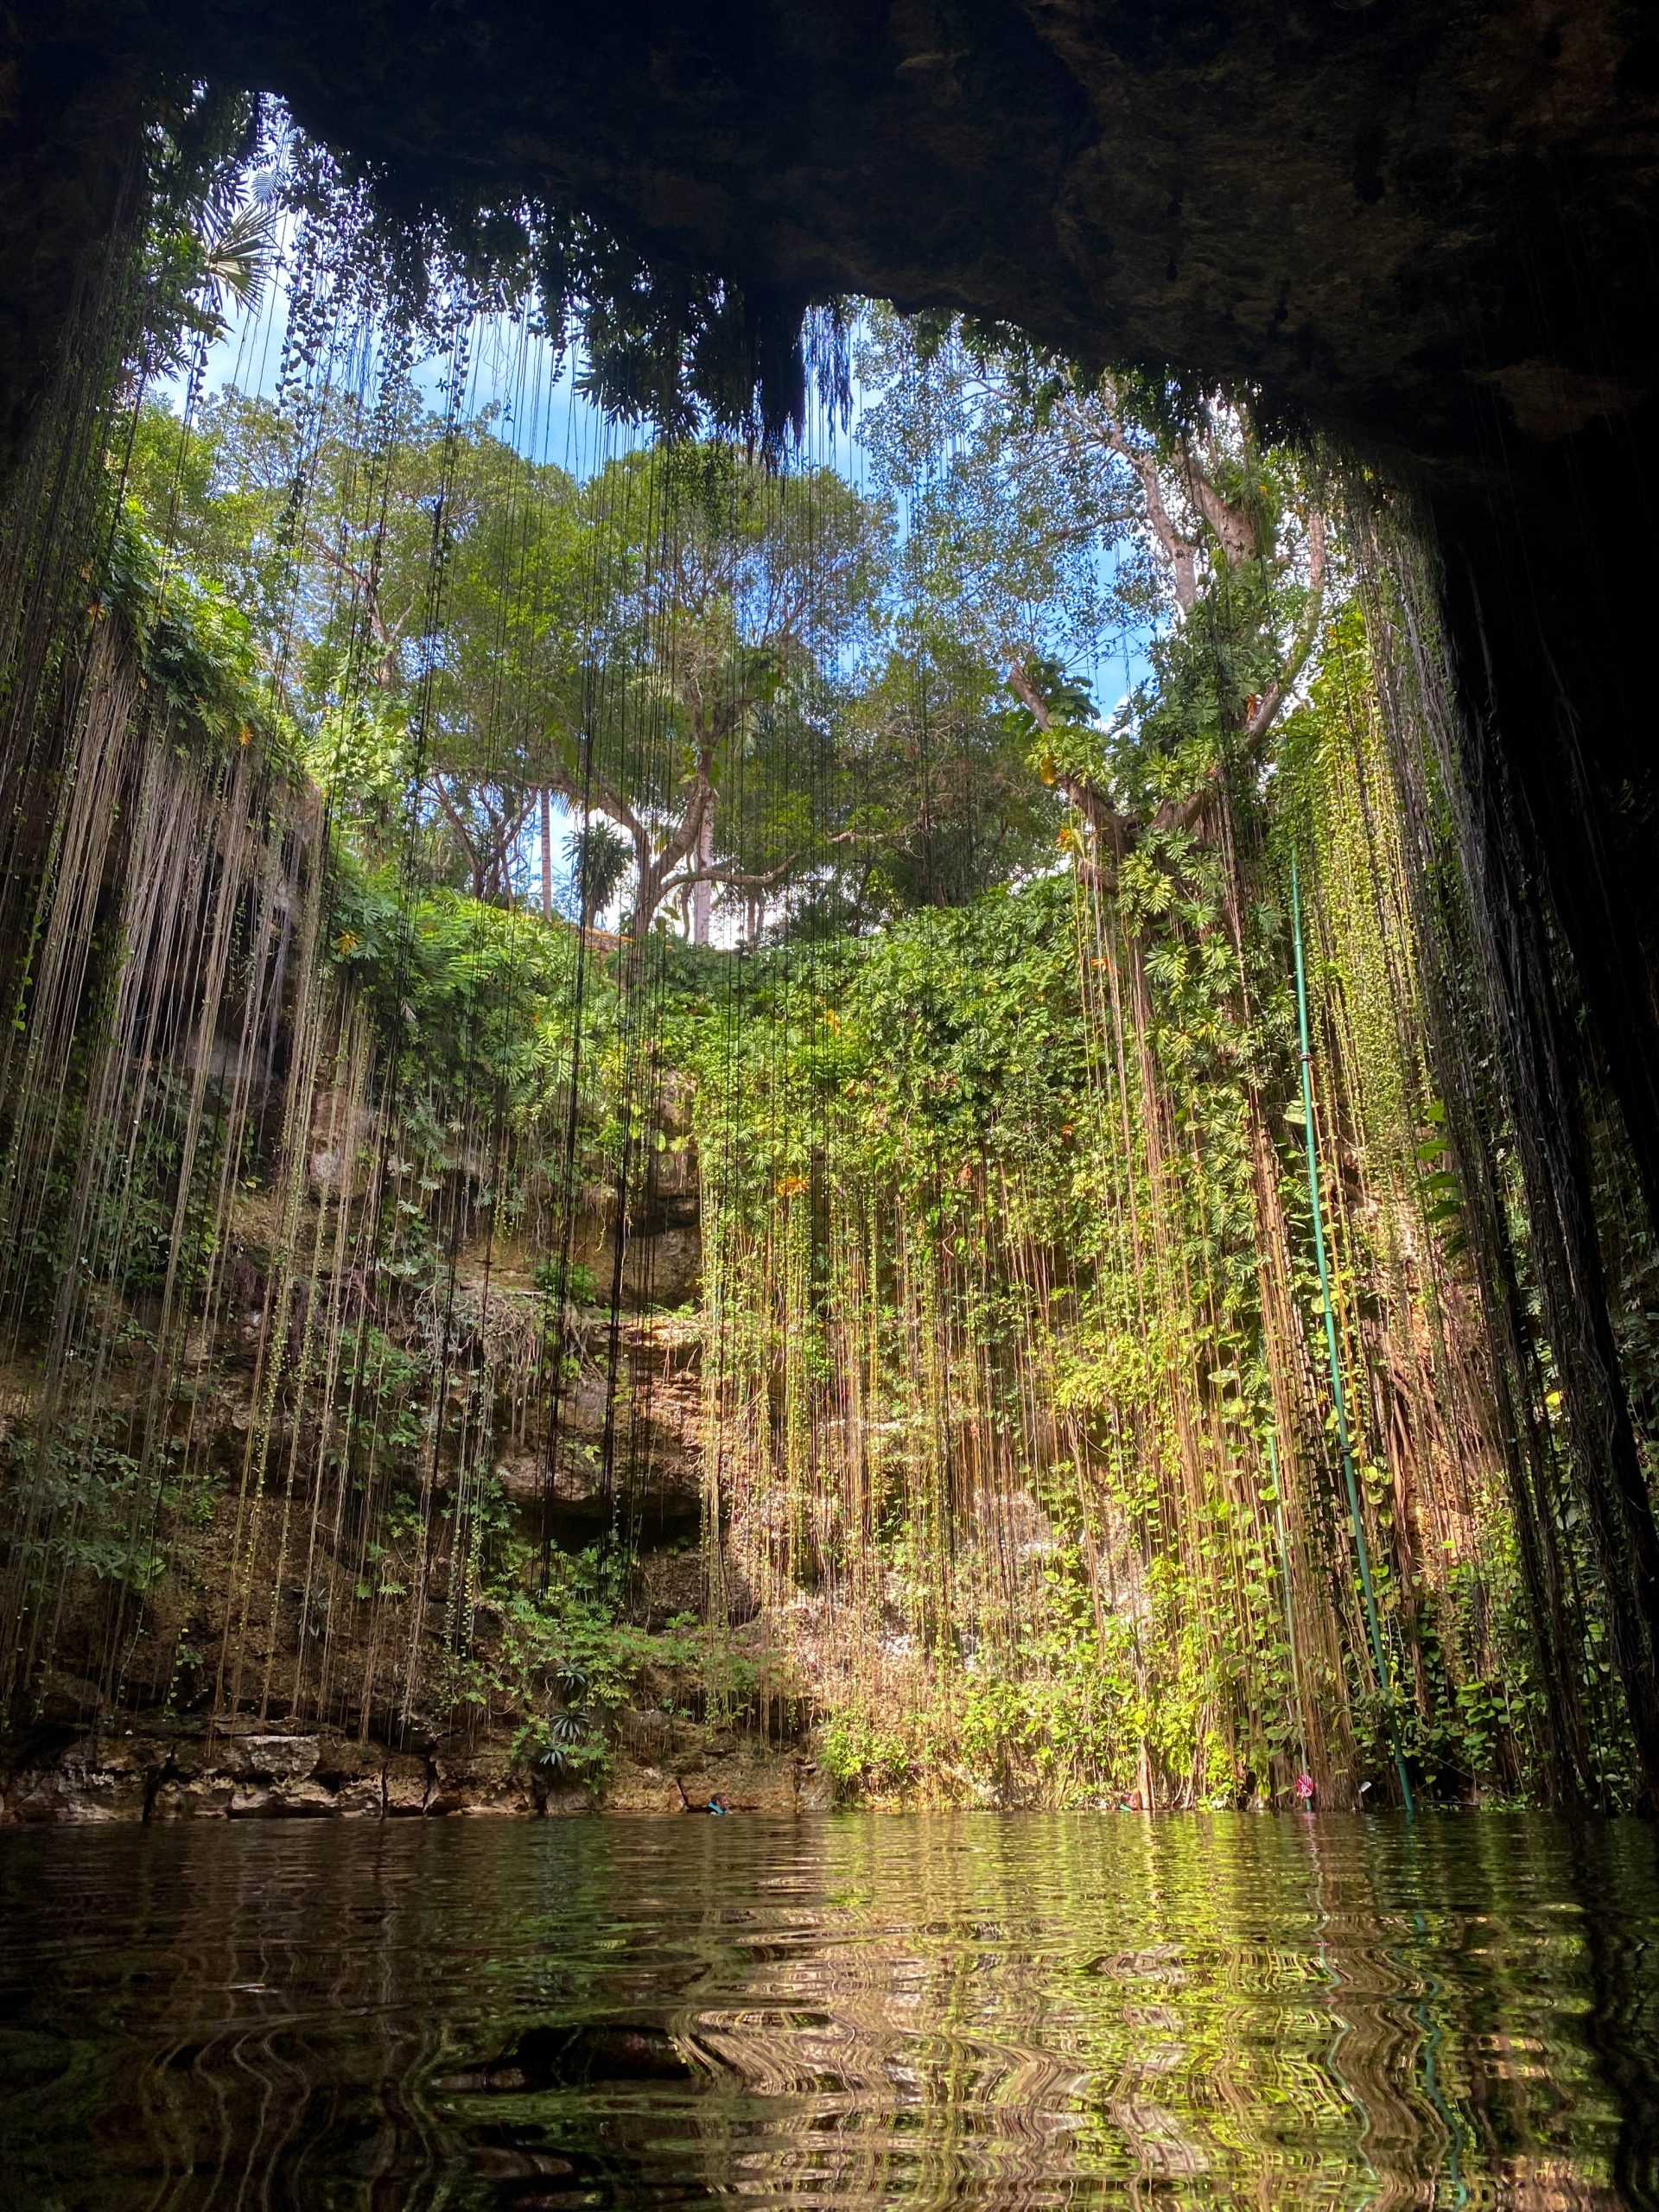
368, 582
1103, 818
1267, 707
1179, 550
1265, 711
1234, 529
457, 822
682, 841
732, 879
593, 795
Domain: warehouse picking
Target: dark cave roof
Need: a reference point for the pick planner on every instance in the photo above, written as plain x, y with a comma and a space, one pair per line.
1424, 225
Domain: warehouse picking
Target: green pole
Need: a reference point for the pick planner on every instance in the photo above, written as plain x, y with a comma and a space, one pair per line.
1345, 1445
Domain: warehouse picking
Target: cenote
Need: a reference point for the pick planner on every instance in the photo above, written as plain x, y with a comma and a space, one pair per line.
857, 2010
829, 1058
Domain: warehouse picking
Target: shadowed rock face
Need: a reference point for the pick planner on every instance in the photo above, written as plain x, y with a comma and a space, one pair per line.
67, 121
1423, 225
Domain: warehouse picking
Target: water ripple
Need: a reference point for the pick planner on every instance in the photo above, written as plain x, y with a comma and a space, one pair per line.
1022, 2011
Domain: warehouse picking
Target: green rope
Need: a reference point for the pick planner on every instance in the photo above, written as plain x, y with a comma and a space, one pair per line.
1384, 1677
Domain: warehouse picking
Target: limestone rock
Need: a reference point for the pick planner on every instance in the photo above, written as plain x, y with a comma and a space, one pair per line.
286, 1798
407, 1782
179, 1771
282, 1758
478, 1778
196, 1797
67, 1698
641, 1789
96, 1779
356, 1773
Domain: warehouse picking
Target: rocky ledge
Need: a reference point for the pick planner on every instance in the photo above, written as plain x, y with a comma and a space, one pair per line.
184, 1771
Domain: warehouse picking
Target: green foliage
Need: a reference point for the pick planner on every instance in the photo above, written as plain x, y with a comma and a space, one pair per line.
210, 241
931, 786
195, 650
102, 1509
1022, 1171
598, 857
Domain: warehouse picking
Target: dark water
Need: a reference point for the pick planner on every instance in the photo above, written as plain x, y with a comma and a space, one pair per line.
851, 2012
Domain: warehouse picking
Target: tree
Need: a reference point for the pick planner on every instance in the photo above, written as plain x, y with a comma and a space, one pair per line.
1077, 506
598, 857
420, 591
729, 601
660, 646
935, 799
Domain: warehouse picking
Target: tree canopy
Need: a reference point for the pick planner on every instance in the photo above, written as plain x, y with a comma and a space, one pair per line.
732, 666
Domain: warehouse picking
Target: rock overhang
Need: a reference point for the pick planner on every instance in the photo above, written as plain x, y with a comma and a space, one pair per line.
1422, 227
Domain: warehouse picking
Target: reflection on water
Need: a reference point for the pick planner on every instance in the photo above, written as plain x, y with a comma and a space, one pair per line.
1024, 2010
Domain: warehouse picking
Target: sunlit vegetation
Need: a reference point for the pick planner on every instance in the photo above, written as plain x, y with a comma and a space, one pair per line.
443, 886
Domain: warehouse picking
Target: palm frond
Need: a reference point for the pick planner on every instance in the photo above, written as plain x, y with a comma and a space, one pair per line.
236, 258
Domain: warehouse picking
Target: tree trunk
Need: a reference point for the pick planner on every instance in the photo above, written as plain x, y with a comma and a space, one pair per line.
703, 894
547, 855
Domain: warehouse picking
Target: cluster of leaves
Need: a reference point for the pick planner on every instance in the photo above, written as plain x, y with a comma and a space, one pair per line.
196, 650
565, 1659
210, 237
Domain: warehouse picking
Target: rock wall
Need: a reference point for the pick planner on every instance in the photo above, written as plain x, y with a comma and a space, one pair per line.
184, 1770
163, 1747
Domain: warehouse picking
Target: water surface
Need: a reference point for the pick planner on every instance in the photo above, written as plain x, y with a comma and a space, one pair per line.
848, 2012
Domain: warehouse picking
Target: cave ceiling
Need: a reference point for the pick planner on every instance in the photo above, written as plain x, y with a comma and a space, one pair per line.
1426, 228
